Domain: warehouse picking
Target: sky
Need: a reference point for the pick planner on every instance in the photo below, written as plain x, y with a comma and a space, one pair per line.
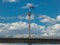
45, 18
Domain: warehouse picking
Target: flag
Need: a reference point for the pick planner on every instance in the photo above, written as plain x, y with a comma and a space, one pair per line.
32, 7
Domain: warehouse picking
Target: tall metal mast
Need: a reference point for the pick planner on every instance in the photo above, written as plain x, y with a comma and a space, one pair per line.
29, 14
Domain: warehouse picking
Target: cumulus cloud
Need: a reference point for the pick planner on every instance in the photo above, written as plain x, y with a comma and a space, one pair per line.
17, 25
37, 27
10, 1
15, 28
28, 5
49, 32
47, 19
58, 18
53, 29
56, 26
44, 31
26, 17
6, 28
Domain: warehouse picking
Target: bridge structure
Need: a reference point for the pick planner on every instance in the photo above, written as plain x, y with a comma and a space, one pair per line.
30, 41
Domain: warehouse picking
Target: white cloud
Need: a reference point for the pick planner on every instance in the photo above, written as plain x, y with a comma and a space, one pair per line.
56, 26
58, 18
53, 29
6, 28
18, 26
47, 19
50, 30
26, 17
21, 17
13, 26
10, 1
43, 16
44, 31
37, 27
27, 5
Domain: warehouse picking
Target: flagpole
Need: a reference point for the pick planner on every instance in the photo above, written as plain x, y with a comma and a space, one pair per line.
29, 14
29, 26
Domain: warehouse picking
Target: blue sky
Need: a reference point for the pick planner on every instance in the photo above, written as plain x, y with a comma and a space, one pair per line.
45, 7
45, 18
